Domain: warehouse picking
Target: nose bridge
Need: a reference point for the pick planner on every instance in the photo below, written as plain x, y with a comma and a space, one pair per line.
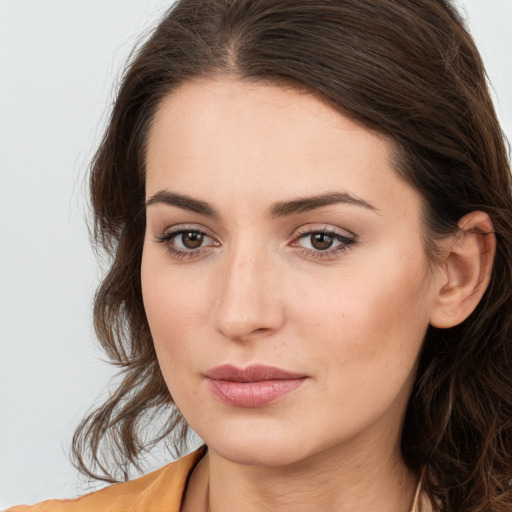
247, 302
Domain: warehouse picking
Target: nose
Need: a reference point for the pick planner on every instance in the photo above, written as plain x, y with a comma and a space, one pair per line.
249, 303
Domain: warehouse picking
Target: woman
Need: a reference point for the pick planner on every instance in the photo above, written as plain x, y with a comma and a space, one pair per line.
308, 206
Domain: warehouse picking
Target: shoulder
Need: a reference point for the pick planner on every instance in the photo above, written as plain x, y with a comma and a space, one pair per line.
159, 491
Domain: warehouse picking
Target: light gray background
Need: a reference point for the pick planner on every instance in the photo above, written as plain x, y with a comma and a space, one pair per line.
58, 61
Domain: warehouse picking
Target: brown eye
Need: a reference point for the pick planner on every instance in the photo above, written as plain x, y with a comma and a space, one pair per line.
192, 239
186, 241
321, 241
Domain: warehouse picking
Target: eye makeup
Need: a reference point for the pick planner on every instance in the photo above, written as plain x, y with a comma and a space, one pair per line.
190, 242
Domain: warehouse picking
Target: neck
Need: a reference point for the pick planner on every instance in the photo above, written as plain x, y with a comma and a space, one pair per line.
323, 482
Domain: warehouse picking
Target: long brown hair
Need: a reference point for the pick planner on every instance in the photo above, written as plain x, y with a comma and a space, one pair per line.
407, 68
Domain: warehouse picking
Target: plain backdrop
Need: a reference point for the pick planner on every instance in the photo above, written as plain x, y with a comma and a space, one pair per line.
59, 60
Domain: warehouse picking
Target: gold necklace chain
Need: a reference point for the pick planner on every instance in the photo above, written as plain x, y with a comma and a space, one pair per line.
207, 507
415, 505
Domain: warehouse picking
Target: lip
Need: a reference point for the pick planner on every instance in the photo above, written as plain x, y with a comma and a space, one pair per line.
254, 386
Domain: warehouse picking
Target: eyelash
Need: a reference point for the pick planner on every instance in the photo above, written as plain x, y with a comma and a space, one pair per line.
345, 242
166, 239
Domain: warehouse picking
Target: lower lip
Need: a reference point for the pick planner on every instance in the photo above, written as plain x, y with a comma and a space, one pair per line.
252, 394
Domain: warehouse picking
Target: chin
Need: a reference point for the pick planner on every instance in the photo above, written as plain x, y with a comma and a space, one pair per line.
262, 454
258, 445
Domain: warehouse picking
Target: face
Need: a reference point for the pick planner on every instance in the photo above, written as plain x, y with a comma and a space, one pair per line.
283, 273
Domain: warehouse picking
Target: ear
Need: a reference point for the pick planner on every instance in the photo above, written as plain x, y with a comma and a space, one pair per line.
465, 272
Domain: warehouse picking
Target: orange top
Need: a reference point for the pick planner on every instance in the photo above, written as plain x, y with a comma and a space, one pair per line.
159, 491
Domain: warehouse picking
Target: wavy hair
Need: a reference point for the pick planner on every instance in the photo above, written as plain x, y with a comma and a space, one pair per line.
406, 68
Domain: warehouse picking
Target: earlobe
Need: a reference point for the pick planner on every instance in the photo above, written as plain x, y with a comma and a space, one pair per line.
465, 272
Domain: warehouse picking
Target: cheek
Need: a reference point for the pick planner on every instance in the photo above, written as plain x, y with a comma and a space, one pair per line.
179, 300
175, 313
175, 321
368, 319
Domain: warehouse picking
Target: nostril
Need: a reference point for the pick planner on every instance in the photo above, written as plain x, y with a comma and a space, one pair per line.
260, 329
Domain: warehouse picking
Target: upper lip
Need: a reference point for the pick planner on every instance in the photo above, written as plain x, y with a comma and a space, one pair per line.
254, 373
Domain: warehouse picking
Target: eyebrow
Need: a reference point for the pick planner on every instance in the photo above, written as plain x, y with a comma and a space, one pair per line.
305, 204
280, 209
183, 201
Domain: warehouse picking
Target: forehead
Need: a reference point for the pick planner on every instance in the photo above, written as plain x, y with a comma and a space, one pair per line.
228, 138
201, 105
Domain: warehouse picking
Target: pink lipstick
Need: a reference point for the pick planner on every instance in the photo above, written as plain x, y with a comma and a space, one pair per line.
254, 386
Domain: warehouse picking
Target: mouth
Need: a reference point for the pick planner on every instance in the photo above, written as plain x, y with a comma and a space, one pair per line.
254, 386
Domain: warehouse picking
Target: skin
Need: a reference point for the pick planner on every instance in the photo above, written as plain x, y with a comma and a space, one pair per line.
257, 291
